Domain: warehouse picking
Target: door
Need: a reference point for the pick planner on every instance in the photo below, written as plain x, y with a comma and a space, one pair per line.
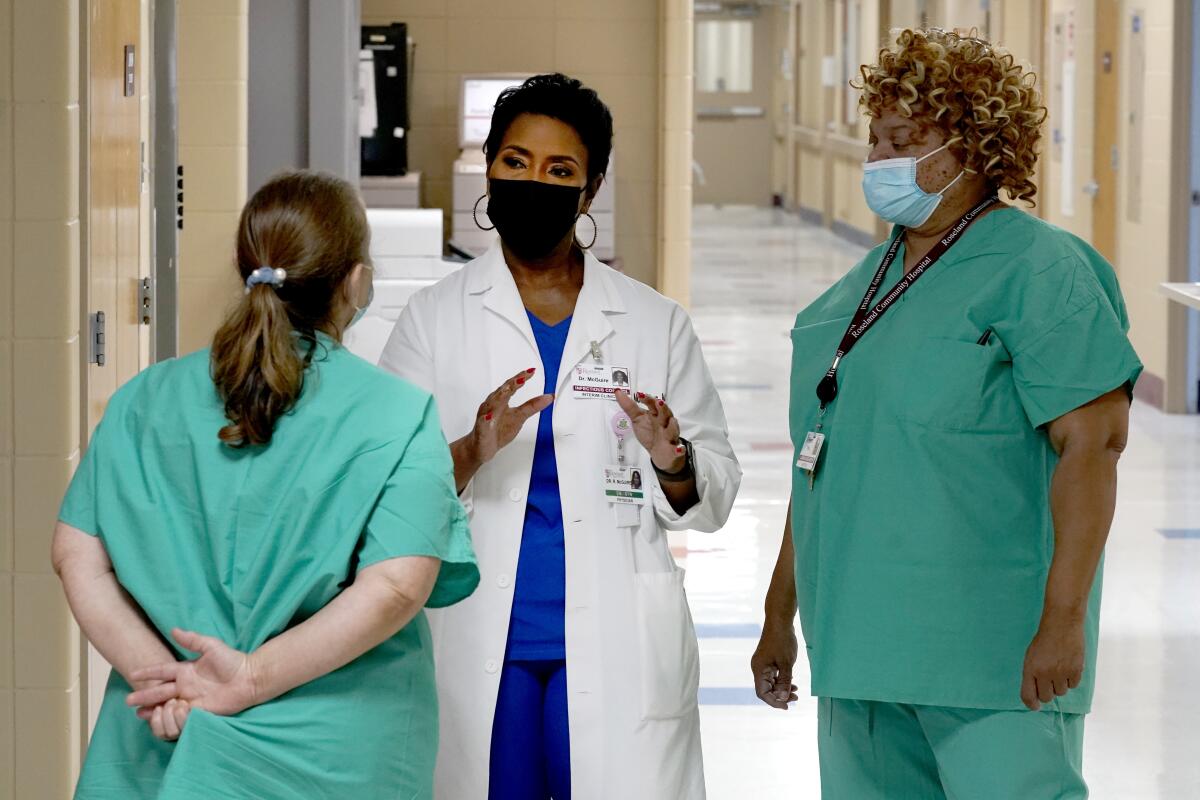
734, 89
117, 251
1107, 155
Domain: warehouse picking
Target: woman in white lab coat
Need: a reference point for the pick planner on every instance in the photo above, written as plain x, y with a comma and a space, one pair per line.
573, 670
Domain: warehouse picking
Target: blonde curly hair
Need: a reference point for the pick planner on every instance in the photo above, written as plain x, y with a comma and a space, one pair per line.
987, 104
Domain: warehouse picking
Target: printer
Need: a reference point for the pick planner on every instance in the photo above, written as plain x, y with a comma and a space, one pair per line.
406, 250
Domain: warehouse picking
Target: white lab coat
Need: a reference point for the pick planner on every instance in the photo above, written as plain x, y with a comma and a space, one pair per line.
632, 658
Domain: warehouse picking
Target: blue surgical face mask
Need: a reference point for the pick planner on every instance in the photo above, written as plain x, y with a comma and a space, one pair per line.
893, 193
359, 313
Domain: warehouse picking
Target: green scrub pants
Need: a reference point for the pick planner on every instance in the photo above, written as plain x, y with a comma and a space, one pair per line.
892, 751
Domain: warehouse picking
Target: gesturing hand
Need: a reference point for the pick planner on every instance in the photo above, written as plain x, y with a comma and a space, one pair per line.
220, 681
497, 423
1053, 663
656, 428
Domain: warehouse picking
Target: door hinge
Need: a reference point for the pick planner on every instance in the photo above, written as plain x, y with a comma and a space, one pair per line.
179, 197
1196, 198
96, 338
146, 301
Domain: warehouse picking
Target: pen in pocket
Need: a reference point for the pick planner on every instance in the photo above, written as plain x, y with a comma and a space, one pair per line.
987, 337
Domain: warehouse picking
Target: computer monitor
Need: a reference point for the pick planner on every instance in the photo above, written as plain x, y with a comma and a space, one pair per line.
477, 99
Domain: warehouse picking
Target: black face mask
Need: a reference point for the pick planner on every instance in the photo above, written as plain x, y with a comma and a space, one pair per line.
532, 217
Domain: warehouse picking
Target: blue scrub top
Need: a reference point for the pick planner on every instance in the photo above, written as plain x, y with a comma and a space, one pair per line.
536, 631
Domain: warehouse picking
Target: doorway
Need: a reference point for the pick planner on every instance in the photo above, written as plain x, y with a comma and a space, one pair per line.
733, 133
117, 254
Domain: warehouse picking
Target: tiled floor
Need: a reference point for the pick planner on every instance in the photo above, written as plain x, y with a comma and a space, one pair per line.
754, 270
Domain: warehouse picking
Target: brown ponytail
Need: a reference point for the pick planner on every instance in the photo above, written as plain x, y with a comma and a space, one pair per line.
313, 226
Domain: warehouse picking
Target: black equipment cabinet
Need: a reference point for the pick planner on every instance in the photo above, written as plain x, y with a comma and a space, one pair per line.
386, 152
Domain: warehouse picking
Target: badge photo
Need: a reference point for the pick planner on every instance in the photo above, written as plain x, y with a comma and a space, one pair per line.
599, 381
625, 485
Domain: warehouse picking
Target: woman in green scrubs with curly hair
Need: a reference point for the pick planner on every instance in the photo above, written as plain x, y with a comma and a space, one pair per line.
253, 533
959, 403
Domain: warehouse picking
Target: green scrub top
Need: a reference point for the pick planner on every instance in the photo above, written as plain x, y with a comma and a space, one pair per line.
245, 544
923, 548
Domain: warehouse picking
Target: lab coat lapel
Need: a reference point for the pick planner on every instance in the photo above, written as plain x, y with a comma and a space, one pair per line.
597, 299
500, 295
507, 325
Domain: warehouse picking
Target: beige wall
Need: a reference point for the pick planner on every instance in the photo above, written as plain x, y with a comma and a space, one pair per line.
1144, 260
830, 136
674, 253
39, 385
613, 46
212, 148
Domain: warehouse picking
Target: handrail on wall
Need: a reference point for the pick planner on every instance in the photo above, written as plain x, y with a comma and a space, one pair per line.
840, 144
730, 112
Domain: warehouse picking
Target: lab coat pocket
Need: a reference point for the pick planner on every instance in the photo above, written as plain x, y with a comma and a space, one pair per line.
670, 657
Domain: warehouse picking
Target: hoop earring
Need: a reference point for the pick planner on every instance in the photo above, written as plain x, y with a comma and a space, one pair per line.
475, 215
595, 233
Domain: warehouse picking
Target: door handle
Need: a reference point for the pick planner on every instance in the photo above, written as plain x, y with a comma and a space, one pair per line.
1091, 189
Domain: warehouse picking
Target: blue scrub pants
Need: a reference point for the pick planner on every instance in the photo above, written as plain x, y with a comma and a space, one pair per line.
892, 751
531, 750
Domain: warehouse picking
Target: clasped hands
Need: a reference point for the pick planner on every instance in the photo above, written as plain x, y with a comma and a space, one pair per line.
222, 681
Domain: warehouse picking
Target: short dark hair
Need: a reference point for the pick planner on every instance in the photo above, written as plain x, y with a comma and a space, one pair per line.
562, 98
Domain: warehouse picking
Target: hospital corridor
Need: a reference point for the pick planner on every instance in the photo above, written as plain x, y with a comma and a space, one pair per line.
1136, 744
599, 399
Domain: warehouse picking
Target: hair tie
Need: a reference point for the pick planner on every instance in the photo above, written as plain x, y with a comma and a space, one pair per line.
274, 277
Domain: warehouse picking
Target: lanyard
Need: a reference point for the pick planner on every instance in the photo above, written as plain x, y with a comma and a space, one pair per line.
866, 315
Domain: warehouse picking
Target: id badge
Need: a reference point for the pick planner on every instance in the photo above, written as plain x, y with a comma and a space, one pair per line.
810, 453
599, 381
625, 485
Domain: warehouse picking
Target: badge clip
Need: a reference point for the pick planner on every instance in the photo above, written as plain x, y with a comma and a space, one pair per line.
621, 425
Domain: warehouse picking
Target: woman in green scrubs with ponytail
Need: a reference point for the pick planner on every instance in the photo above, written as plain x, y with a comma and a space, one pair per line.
959, 403
253, 533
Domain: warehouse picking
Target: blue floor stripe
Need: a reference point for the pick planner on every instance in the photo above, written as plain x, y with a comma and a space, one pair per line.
728, 696
1180, 533
728, 631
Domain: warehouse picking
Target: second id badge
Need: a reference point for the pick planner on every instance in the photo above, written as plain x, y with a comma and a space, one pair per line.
598, 381
810, 453
625, 485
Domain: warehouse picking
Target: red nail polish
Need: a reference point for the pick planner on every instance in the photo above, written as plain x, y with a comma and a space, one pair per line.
531, 370
678, 451
641, 394
661, 403
487, 418
520, 381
